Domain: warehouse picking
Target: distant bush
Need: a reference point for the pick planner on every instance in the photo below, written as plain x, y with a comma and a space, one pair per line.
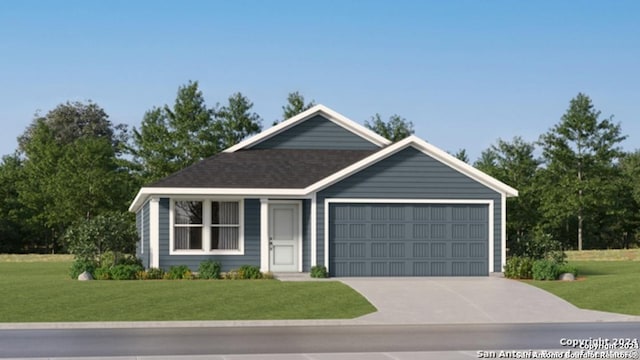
103, 273
566, 268
209, 269
81, 265
518, 267
319, 271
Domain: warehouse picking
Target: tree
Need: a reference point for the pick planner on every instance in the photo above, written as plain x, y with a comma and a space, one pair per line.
170, 139
462, 155
514, 163
15, 234
71, 169
236, 121
295, 105
397, 128
579, 154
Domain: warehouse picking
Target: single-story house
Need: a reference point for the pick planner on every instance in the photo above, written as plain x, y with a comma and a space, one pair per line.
320, 189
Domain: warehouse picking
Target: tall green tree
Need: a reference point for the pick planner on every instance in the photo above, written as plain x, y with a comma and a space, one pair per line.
15, 234
579, 154
515, 164
295, 105
236, 121
172, 138
71, 169
395, 129
462, 155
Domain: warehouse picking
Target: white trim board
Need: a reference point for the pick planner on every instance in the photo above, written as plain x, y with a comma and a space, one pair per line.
489, 203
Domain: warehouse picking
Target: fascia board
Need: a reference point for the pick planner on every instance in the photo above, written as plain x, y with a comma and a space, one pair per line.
144, 193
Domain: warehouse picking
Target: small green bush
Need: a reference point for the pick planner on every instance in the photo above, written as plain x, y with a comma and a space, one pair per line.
319, 271
209, 269
178, 273
545, 270
518, 267
81, 265
232, 275
103, 273
125, 272
249, 272
153, 274
566, 268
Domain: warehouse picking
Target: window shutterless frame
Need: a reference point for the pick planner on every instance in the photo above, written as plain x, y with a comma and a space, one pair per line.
208, 227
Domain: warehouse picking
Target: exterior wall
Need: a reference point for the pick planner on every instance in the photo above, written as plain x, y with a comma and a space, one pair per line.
316, 133
410, 174
228, 262
142, 225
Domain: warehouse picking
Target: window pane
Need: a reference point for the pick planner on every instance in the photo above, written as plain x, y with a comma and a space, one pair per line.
224, 238
225, 213
187, 238
188, 212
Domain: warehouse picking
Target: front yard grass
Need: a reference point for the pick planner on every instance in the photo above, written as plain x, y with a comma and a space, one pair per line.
43, 292
611, 286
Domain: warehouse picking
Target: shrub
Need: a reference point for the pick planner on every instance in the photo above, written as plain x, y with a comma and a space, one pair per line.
91, 239
545, 270
537, 246
81, 265
232, 275
178, 273
125, 272
103, 273
566, 268
319, 271
249, 272
518, 267
209, 270
268, 275
154, 274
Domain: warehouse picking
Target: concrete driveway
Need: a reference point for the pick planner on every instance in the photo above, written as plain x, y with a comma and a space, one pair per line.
467, 301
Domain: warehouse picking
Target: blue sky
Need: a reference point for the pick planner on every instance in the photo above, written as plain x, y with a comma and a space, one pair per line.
464, 72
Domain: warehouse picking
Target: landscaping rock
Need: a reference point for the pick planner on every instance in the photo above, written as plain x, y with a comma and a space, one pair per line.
567, 277
85, 276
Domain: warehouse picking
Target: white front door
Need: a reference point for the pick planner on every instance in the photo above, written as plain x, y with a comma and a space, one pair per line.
284, 237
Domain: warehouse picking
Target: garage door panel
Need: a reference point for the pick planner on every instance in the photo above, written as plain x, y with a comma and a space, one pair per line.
408, 239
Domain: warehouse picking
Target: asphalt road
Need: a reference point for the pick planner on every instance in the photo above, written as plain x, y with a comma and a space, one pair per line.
300, 339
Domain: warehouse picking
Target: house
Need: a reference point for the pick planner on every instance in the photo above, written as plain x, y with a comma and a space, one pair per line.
320, 189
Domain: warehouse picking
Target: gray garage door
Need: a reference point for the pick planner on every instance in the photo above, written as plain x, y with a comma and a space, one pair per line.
408, 240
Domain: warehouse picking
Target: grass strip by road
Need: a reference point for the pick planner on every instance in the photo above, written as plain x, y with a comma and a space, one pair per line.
43, 292
611, 286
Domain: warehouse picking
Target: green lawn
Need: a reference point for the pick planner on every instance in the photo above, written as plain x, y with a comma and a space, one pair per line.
612, 286
41, 291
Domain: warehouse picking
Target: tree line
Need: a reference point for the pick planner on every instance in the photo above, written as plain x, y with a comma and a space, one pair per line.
73, 164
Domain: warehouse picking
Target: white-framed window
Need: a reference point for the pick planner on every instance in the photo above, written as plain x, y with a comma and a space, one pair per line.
206, 226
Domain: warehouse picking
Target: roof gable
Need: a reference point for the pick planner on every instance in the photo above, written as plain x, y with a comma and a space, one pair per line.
426, 148
321, 119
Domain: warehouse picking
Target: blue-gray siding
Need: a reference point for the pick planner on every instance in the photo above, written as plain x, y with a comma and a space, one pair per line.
410, 174
316, 133
228, 262
142, 225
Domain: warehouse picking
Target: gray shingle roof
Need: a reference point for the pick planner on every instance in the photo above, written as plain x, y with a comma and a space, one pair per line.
268, 168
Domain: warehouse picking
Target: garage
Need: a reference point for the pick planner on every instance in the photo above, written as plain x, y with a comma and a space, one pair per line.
409, 239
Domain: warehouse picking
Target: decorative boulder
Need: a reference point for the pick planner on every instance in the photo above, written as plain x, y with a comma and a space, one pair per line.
567, 277
85, 276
